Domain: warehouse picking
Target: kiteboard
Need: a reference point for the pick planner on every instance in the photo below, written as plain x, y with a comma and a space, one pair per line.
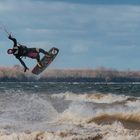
45, 61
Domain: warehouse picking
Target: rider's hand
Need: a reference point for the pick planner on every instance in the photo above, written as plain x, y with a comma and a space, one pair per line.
26, 69
10, 35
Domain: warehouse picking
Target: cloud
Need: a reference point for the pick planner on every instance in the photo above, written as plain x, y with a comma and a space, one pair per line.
107, 2
60, 21
76, 27
79, 48
5, 6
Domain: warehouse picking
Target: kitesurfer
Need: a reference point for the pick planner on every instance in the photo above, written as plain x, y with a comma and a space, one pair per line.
20, 51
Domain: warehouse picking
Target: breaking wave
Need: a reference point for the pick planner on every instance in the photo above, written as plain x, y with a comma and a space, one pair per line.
68, 116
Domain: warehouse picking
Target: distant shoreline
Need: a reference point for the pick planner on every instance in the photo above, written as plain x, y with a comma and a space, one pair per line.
101, 75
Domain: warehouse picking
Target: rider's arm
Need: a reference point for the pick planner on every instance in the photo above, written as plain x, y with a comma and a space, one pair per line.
13, 39
23, 64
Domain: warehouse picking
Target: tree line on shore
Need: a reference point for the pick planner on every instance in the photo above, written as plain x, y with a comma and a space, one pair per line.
100, 74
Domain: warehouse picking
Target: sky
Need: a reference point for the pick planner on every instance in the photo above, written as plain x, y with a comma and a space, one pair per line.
89, 33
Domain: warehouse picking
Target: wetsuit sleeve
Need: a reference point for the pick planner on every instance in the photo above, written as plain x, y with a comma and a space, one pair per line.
13, 39
22, 62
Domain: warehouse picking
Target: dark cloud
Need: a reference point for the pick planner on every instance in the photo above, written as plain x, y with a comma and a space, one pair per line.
127, 2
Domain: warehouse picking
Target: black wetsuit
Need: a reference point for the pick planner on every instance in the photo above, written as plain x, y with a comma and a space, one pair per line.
20, 51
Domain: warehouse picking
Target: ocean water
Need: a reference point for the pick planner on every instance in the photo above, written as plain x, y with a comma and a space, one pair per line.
69, 111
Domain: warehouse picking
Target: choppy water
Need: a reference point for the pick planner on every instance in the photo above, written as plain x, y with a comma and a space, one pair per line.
69, 111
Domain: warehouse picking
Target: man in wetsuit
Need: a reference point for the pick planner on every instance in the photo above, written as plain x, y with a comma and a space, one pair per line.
20, 51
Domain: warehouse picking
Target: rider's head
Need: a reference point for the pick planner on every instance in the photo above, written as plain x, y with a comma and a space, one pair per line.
10, 51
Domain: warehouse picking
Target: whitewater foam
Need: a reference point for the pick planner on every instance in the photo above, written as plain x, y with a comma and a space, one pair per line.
114, 131
68, 115
92, 97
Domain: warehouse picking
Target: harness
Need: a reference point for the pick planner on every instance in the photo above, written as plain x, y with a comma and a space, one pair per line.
20, 51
